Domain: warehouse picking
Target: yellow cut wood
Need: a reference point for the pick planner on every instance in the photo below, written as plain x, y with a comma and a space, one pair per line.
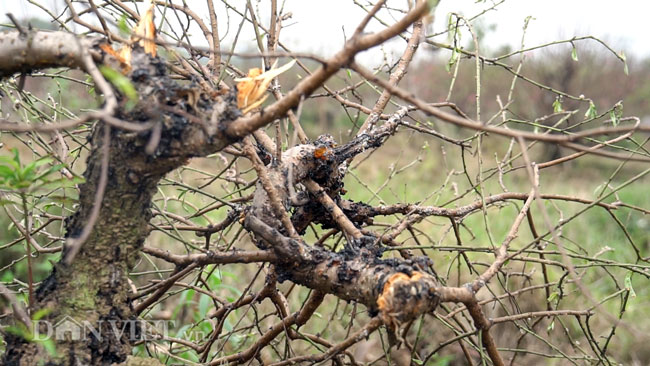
251, 89
144, 34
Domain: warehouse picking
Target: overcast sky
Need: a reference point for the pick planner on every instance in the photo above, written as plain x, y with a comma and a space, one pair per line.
318, 26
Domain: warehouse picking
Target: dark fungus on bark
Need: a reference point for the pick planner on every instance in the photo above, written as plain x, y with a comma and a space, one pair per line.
397, 289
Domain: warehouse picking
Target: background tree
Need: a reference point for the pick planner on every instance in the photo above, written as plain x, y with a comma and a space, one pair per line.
350, 220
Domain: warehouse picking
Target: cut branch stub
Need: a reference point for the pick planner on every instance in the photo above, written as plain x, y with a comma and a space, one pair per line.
405, 297
398, 289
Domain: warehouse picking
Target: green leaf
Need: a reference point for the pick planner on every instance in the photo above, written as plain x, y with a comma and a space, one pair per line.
616, 113
8, 276
27, 173
236, 340
12, 162
624, 59
123, 25
574, 54
551, 326
442, 360
450, 27
190, 355
91, 90
204, 305
16, 156
6, 172
214, 279
21, 331
628, 284
42, 161
349, 73
50, 170
452, 60
613, 117
189, 294
233, 289
557, 105
122, 83
591, 111
181, 333
49, 346
39, 314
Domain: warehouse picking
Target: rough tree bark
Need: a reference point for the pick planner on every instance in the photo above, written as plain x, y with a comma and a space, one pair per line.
94, 286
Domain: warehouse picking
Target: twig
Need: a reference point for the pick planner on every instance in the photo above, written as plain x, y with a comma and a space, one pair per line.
215, 46
19, 311
212, 257
19, 27
502, 251
395, 77
337, 214
357, 336
245, 125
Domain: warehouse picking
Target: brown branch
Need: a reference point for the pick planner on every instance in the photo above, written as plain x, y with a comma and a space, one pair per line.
212, 257
364, 22
356, 276
395, 77
534, 314
49, 49
357, 336
245, 125
501, 256
512, 294
40, 50
77, 19
564, 159
213, 41
408, 208
19, 311
483, 325
23, 232
161, 288
335, 211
